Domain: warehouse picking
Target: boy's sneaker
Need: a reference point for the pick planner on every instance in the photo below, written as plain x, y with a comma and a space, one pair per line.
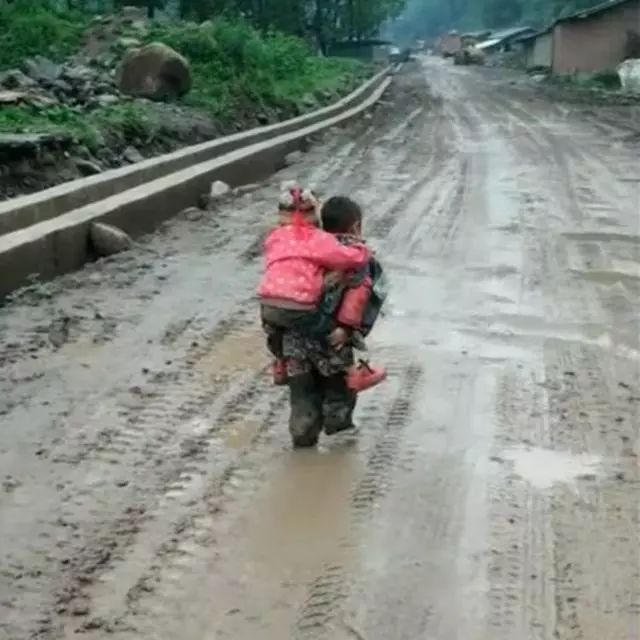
346, 426
279, 372
363, 376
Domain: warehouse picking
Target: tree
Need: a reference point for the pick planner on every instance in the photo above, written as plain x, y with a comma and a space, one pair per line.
151, 5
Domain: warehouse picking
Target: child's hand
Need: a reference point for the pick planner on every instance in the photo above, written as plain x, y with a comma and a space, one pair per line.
338, 338
332, 278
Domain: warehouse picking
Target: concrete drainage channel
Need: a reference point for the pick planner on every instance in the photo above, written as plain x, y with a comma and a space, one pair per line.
47, 233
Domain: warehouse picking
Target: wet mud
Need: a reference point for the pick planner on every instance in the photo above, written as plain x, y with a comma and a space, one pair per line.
148, 489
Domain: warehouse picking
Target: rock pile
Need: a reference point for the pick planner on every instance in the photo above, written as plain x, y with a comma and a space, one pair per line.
113, 64
43, 83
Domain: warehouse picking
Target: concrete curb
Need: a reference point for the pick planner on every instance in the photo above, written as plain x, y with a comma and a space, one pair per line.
61, 244
24, 211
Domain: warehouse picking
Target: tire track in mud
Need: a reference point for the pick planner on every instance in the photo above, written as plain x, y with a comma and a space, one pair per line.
176, 563
598, 574
191, 540
548, 547
92, 547
191, 535
547, 252
433, 236
575, 168
168, 397
356, 162
429, 507
423, 212
171, 524
521, 568
326, 593
150, 434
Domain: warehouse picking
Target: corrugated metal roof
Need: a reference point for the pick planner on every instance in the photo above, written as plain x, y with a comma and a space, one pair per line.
532, 36
487, 44
477, 34
599, 8
498, 37
509, 33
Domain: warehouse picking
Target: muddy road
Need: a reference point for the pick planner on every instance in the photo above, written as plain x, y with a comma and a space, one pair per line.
148, 490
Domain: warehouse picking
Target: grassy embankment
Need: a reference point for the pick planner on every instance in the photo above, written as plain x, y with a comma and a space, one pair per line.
235, 69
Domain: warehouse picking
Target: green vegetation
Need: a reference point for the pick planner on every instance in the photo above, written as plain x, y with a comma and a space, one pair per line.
30, 27
238, 70
234, 65
325, 20
117, 124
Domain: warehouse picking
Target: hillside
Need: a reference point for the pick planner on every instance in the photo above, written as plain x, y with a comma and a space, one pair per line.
62, 114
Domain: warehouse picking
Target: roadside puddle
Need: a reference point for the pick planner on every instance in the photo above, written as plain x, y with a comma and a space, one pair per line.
237, 351
543, 468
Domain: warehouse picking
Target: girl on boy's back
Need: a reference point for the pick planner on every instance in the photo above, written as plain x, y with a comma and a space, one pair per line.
316, 299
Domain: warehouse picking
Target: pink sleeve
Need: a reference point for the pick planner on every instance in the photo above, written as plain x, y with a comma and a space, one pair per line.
332, 255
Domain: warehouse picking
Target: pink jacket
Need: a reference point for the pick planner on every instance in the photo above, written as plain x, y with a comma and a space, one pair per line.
296, 261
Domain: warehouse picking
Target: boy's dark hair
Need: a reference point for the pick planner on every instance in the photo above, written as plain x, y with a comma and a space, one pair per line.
339, 214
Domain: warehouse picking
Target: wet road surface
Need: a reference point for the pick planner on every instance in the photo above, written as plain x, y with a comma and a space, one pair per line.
148, 487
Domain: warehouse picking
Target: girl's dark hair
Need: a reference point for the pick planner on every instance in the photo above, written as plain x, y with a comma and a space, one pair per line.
339, 214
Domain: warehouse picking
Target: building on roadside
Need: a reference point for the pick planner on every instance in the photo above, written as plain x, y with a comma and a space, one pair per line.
596, 39
472, 38
449, 44
537, 49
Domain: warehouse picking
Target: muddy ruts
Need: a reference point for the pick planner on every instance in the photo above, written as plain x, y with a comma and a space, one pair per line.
327, 592
587, 382
179, 520
166, 396
521, 586
188, 458
553, 564
193, 530
352, 162
188, 538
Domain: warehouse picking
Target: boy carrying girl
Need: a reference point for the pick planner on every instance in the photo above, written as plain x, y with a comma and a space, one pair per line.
320, 295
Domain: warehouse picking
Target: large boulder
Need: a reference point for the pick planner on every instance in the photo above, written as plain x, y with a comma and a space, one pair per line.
629, 74
154, 71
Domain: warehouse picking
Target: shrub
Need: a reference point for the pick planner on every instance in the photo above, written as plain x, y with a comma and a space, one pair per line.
31, 27
237, 71
233, 63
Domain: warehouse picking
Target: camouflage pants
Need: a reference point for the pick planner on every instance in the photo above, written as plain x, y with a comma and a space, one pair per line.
319, 397
318, 403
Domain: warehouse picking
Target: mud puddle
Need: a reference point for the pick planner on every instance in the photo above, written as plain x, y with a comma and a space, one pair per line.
544, 468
